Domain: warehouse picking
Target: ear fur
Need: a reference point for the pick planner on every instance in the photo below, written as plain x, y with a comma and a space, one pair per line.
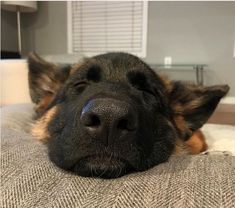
45, 79
191, 104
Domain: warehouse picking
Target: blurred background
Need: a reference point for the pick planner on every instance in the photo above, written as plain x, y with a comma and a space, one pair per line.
173, 37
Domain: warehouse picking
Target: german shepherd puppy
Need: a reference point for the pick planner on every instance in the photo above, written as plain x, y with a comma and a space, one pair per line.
112, 114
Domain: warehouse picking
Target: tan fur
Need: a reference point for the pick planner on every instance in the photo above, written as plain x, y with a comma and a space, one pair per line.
167, 82
180, 147
74, 68
44, 103
40, 127
180, 123
197, 143
193, 104
175, 105
178, 109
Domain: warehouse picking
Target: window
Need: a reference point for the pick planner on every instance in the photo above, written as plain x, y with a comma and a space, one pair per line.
102, 26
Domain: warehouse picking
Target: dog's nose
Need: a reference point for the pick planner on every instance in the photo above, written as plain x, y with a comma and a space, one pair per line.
108, 119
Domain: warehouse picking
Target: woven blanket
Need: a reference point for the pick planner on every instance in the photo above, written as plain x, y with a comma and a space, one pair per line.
29, 179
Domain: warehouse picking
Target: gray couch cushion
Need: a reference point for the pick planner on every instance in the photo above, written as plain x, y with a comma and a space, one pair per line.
29, 179
17, 116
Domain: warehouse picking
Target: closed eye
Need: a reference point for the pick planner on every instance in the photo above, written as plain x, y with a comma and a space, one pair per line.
149, 91
80, 85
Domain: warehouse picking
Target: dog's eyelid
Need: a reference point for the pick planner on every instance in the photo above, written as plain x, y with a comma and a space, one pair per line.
149, 92
144, 89
80, 83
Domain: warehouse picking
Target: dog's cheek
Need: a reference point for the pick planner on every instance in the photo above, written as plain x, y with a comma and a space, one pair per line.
40, 128
60, 153
164, 144
66, 145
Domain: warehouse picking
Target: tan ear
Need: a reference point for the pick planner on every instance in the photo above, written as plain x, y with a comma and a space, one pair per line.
45, 79
192, 105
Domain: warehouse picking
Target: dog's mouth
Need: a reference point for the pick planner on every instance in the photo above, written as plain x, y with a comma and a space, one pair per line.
102, 166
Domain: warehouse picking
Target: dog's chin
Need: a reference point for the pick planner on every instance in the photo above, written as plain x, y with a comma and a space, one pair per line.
102, 167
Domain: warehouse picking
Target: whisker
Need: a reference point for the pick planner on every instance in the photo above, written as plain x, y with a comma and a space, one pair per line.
91, 169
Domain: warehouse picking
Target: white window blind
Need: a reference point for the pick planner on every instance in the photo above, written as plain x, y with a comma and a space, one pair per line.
101, 26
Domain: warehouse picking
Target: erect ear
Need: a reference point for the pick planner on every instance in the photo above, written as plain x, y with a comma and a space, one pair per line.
192, 105
45, 79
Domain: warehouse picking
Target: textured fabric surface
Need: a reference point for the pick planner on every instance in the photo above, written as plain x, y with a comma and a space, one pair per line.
220, 137
29, 179
17, 116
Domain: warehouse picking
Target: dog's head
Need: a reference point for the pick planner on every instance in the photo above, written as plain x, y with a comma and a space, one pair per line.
112, 114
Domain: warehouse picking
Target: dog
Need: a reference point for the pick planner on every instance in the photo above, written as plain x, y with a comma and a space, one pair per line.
111, 114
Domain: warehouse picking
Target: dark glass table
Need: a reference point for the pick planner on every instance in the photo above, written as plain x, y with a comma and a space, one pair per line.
197, 68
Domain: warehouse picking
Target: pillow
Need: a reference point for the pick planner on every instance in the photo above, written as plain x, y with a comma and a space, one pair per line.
220, 138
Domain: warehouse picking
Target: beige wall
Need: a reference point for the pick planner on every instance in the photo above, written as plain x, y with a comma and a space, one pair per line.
194, 32
189, 32
14, 82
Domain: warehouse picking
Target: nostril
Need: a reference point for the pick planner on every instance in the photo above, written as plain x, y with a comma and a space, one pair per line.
92, 121
123, 124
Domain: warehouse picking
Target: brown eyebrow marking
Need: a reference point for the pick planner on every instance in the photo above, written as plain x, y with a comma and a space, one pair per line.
74, 68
